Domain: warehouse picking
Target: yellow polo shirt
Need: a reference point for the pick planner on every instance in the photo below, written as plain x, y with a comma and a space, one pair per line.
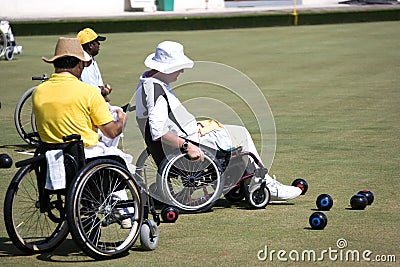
63, 105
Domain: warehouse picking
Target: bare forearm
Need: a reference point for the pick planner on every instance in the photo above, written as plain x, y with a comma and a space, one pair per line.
193, 151
114, 128
172, 140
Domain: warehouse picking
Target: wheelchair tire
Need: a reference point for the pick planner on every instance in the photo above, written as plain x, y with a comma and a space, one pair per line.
93, 211
258, 198
31, 230
24, 119
9, 53
149, 239
190, 185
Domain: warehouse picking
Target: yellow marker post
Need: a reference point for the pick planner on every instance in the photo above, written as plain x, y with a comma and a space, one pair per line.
295, 17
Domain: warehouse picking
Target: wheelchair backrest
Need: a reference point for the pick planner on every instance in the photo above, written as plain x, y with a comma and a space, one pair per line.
74, 158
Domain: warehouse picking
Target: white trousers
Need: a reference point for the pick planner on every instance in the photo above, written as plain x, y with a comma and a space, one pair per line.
231, 136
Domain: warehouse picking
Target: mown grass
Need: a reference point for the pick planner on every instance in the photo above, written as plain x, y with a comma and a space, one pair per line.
334, 93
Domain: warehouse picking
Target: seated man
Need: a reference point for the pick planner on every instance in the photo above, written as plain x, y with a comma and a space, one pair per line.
165, 123
90, 42
91, 74
63, 105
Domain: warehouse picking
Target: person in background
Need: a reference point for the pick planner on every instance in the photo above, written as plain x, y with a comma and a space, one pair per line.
90, 42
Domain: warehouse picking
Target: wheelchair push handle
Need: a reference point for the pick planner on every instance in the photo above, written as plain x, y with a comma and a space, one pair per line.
31, 135
40, 78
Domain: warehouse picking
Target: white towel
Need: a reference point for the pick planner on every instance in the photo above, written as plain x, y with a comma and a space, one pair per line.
55, 178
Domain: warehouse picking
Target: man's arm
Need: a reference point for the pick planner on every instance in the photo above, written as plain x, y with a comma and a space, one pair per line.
114, 128
193, 151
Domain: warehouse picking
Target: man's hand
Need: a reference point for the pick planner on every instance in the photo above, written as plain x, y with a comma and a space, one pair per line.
114, 128
105, 91
121, 115
194, 152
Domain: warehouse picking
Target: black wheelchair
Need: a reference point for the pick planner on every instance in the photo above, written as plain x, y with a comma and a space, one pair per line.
37, 219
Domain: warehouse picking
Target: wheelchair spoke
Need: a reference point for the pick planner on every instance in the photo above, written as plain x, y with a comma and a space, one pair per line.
192, 184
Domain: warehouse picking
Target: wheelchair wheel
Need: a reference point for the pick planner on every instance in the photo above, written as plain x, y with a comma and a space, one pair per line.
258, 196
149, 235
24, 119
236, 194
96, 213
9, 53
191, 186
30, 228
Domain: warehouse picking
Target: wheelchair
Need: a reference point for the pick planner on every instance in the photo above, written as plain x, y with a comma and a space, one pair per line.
195, 186
8, 46
38, 219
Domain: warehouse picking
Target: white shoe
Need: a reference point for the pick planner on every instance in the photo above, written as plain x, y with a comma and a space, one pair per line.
120, 196
126, 224
280, 192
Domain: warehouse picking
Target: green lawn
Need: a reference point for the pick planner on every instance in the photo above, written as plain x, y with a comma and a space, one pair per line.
334, 94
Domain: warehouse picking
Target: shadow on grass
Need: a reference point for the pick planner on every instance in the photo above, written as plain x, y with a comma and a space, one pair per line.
312, 229
19, 147
244, 205
7, 249
66, 252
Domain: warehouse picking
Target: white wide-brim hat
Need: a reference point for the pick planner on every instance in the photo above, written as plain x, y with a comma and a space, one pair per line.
168, 58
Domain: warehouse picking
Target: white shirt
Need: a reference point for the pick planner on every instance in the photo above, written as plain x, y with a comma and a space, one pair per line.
92, 75
154, 106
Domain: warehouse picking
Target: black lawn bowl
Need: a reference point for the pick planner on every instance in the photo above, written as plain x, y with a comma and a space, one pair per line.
369, 195
324, 202
5, 161
318, 220
169, 214
302, 184
358, 202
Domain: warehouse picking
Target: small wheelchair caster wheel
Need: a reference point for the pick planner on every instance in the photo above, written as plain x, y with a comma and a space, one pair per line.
324, 202
149, 235
302, 184
258, 196
318, 220
5, 161
369, 195
358, 202
9, 55
169, 214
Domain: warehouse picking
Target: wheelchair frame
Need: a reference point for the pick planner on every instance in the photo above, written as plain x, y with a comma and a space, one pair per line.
182, 182
38, 220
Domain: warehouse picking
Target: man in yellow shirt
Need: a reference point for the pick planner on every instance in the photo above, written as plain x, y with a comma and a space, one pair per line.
63, 105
